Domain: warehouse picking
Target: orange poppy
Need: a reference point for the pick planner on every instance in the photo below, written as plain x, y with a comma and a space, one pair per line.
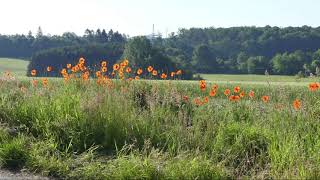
150, 68
137, 78
49, 68
237, 89
69, 66
125, 62
242, 94
197, 101
163, 76
128, 70
81, 60
98, 74
215, 87
179, 72
104, 69
113, 73
313, 86
265, 99
234, 98
44, 81
172, 74
212, 93
104, 63
33, 72
203, 85
251, 94
185, 98
116, 67
227, 92
206, 99
296, 104
154, 72
34, 83
139, 71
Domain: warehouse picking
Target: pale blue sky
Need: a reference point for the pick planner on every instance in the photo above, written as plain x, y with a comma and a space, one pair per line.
135, 17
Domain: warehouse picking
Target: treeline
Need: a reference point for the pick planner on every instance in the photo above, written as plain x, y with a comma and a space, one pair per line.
24, 46
253, 50
248, 49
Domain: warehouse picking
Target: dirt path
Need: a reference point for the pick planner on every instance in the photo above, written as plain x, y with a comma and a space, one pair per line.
7, 175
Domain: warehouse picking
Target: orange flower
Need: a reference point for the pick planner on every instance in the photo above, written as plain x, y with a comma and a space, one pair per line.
179, 72
212, 93
128, 70
69, 66
197, 101
139, 71
49, 68
113, 73
104, 69
104, 63
98, 74
234, 98
265, 99
150, 68
33, 72
116, 67
44, 81
215, 87
242, 94
227, 92
296, 104
237, 89
203, 85
163, 76
81, 60
185, 98
206, 100
34, 83
251, 94
154, 72
313, 86
125, 62
172, 74
137, 78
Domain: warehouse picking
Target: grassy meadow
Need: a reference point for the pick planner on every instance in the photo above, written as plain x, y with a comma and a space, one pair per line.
16, 66
166, 129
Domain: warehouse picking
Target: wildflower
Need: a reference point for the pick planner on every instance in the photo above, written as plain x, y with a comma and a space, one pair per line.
185, 98
227, 92
128, 70
237, 89
154, 72
137, 78
44, 82
313, 86
206, 100
104, 63
163, 76
33, 72
113, 73
125, 62
242, 94
172, 74
116, 67
49, 68
34, 83
81, 60
197, 101
215, 87
139, 71
150, 68
234, 98
179, 72
212, 93
98, 74
265, 99
296, 104
251, 94
69, 66
104, 69
203, 85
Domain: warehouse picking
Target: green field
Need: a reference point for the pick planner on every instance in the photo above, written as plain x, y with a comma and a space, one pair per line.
17, 67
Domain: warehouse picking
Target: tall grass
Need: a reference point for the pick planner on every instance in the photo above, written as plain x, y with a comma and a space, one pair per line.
147, 130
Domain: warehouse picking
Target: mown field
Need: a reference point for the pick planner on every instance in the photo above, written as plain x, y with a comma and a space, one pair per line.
16, 66
166, 129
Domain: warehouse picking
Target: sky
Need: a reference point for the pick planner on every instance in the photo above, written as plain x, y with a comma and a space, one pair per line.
136, 17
